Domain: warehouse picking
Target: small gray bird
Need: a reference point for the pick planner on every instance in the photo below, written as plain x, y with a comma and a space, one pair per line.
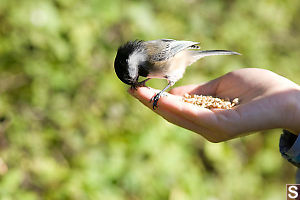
164, 59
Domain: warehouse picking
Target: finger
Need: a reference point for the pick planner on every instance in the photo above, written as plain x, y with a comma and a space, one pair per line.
145, 94
181, 90
208, 88
173, 118
198, 115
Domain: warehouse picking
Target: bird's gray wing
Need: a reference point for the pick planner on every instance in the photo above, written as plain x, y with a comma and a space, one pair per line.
164, 49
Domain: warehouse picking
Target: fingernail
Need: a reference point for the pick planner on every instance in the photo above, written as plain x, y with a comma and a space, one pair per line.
130, 91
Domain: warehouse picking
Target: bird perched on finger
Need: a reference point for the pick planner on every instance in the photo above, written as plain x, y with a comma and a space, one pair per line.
163, 59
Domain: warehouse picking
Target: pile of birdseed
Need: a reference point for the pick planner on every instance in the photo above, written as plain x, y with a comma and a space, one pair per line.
210, 102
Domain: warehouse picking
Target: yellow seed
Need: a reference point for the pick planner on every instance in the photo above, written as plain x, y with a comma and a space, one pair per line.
186, 95
235, 101
210, 102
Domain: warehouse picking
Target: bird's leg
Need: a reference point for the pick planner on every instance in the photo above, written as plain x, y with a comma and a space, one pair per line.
140, 84
158, 95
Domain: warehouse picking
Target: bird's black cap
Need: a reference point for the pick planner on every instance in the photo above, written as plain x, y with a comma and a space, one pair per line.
121, 61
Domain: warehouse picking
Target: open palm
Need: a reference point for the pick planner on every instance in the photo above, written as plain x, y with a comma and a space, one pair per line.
266, 101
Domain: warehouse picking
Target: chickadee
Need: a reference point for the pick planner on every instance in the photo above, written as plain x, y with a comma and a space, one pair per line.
164, 59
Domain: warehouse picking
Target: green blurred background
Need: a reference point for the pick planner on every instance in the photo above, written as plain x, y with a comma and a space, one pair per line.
69, 129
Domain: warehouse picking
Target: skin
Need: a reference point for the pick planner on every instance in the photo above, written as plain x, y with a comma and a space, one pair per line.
267, 101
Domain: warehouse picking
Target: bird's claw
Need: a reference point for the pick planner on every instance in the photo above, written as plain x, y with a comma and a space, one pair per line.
134, 87
138, 84
155, 100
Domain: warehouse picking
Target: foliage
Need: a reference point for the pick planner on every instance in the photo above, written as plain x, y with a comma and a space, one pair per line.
69, 130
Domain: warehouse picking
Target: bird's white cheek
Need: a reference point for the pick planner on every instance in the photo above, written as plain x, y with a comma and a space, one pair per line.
133, 71
133, 62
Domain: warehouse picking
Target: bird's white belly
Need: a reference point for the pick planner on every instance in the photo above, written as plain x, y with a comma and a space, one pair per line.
173, 69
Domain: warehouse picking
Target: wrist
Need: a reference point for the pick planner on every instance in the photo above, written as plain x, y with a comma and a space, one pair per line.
292, 110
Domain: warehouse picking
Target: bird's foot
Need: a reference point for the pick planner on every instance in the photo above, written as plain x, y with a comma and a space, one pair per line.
134, 87
155, 100
139, 84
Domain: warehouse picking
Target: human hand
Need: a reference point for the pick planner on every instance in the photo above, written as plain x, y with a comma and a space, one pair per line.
267, 101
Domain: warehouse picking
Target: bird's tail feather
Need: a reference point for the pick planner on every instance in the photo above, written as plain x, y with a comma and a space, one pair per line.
196, 55
201, 54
